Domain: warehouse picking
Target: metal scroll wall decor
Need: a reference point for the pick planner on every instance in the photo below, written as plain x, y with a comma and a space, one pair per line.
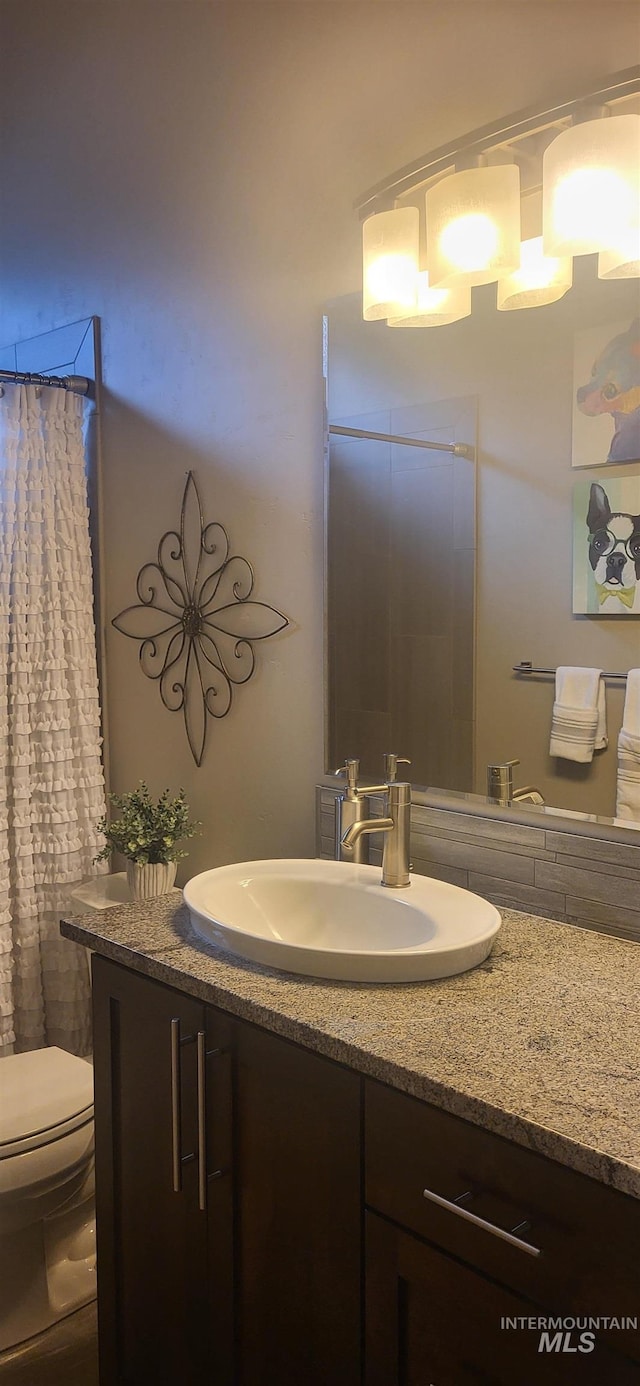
195, 622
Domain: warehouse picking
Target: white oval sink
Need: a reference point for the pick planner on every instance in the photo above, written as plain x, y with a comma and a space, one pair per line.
333, 919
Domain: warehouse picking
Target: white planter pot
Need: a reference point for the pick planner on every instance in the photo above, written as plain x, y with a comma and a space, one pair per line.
155, 878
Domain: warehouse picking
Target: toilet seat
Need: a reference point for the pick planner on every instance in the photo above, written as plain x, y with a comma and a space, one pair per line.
45, 1094
36, 1139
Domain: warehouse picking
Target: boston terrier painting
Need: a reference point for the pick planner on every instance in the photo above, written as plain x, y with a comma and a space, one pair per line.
614, 388
614, 554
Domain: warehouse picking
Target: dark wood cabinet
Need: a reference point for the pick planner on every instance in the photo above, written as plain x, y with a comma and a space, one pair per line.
441, 1275
433, 1321
298, 1185
228, 1177
166, 1270
587, 1235
262, 1221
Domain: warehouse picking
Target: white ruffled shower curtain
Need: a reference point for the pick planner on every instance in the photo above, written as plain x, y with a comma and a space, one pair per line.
51, 777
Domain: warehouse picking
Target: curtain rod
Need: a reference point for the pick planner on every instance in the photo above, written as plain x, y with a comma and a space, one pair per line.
76, 384
458, 449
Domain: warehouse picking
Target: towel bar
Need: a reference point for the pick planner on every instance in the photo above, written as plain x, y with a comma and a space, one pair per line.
524, 667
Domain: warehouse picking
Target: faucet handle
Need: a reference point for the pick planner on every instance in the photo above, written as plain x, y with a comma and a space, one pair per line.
500, 779
391, 762
351, 769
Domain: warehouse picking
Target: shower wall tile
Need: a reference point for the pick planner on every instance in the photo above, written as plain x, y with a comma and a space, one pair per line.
464, 506
462, 734
53, 351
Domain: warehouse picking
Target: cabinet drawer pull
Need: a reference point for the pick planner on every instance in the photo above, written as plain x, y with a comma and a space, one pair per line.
454, 1207
176, 1133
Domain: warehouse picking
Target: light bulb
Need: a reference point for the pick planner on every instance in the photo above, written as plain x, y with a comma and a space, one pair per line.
470, 242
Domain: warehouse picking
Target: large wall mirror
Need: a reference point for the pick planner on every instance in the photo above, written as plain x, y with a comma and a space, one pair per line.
447, 566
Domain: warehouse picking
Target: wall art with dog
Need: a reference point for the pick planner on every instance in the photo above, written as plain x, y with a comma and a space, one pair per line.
606, 408
606, 546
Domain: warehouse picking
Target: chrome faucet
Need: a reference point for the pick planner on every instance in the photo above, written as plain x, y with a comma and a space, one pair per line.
500, 786
396, 825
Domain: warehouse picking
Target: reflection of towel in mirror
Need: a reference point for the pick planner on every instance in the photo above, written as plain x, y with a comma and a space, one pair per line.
579, 721
628, 797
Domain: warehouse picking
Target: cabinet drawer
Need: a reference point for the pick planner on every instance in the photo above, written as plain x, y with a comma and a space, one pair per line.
587, 1235
431, 1319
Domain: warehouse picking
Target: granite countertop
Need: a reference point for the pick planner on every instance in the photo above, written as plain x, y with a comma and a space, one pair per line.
540, 1043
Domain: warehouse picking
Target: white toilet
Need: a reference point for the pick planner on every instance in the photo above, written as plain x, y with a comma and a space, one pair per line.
47, 1212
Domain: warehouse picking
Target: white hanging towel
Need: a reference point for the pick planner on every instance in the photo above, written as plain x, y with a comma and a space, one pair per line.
579, 721
628, 796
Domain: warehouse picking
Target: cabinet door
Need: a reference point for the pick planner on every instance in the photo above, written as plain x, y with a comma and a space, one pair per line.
299, 1219
152, 1237
432, 1321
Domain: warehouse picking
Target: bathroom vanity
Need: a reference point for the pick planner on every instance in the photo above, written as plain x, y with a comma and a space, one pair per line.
310, 1182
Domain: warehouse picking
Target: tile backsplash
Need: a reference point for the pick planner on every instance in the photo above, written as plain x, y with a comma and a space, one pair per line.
592, 881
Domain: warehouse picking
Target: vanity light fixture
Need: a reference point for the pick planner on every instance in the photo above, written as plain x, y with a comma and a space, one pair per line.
588, 180
591, 185
390, 263
540, 279
434, 307
473, 225
624, 261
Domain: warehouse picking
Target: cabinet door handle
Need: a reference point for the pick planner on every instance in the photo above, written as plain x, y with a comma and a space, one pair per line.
505, 1236
176, 1132
201, 1041
203, 1054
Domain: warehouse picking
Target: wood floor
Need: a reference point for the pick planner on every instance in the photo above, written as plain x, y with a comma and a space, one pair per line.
66, 1355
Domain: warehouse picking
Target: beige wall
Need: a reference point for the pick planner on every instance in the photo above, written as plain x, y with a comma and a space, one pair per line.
187, 171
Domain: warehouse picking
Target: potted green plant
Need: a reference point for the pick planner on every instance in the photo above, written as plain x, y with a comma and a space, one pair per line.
147, 834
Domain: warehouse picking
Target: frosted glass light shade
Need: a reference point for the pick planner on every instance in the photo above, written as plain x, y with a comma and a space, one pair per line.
473, 226
624, 261
390, 242
435, 307
540, 279
591, 185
